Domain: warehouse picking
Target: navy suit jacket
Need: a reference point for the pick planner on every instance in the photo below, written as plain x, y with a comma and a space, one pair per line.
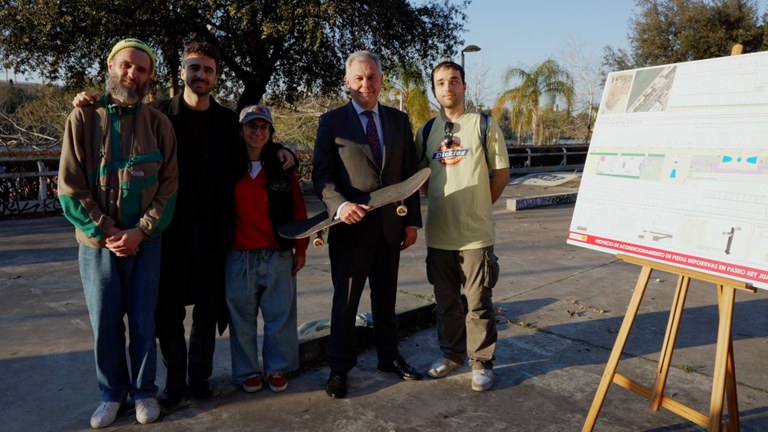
344, 170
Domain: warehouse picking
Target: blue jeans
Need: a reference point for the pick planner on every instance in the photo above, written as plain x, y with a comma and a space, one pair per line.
114, 287
261, 279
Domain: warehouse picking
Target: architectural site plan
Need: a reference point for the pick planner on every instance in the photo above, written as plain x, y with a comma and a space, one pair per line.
677, 170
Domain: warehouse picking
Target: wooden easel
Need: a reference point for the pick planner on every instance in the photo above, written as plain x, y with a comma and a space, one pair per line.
723, 380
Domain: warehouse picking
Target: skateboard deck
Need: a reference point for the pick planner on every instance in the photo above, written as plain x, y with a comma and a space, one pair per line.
386, 195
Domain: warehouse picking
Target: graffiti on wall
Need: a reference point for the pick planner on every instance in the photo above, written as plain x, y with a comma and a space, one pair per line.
541, 201
33, 207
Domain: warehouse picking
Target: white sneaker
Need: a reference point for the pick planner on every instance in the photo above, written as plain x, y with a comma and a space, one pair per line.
147, 410
105, 414
442, 367
482, 379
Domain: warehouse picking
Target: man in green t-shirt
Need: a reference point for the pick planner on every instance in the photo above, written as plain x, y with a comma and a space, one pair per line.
470, 168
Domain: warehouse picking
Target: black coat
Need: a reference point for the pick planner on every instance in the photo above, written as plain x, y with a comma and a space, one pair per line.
195, 244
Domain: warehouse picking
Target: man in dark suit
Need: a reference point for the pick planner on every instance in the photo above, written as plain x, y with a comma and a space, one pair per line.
361, 147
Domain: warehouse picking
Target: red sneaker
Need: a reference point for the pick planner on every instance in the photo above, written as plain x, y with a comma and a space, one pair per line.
277, 382
252, 384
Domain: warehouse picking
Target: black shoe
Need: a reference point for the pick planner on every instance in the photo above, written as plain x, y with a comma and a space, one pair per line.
201, 390
402, 369
336, 387
170, 399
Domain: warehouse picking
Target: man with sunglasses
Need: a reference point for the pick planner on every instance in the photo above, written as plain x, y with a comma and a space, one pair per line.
470, 168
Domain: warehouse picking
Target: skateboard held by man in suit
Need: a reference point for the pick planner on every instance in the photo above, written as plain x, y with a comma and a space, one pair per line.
396, 193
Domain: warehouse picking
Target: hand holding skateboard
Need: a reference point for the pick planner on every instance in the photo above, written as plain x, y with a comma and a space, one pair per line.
396, 193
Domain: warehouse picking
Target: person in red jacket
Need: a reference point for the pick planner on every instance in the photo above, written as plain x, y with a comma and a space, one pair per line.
261, 266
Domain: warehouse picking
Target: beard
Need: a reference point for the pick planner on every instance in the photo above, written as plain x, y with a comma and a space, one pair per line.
452, 103
204, 91
122, 92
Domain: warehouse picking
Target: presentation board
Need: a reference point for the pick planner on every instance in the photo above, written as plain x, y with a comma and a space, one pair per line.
677, 169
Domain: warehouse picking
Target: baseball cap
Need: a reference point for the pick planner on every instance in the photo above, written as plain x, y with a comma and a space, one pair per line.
133, 43
252, 112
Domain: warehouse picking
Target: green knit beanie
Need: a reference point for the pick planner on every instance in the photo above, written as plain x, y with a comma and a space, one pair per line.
134, 43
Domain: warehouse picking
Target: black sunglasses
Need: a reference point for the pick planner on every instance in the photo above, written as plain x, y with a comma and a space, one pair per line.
448, 133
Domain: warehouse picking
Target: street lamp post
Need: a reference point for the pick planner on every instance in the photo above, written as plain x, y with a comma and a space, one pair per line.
468, 48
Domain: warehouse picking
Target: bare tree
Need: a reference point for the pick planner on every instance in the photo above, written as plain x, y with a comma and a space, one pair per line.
584, 66
477, 82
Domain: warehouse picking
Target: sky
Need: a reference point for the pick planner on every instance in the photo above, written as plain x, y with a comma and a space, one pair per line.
524, 33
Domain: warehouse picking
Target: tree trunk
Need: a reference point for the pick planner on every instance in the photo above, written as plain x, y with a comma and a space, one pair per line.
173, 86
536, 127
173, 66
253, 91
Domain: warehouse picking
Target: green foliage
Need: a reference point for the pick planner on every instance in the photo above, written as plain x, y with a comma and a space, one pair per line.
764, 45
45, 116
405, 87
296, 124
547, 79
418, 108
505, 124
560, 124
11, 97
39, 121
287, 49
672, 31
615, 60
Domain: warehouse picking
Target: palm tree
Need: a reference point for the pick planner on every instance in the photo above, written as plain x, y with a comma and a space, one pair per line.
407, 85
546, 79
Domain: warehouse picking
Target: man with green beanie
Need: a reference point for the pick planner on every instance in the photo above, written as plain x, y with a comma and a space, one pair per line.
117, 185
196, 241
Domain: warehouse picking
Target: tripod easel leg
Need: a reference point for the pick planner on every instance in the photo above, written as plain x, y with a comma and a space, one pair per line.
724, 376
730, 374
722, 354
730, 392
670, 338
618, 348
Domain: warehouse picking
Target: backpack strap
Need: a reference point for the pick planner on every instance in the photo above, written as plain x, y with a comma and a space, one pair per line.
424, 135
484, 140
484, 135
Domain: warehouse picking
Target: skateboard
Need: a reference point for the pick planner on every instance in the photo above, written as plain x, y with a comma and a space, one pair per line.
319, 223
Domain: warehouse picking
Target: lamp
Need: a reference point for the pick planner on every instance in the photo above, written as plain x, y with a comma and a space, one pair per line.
468, 48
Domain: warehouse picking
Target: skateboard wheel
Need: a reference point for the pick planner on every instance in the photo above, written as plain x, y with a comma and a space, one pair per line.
318, 243
402, 210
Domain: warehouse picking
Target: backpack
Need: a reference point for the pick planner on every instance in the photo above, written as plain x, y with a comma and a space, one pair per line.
483, 136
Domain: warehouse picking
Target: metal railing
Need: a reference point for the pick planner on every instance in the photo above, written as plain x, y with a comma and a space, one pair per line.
526, 159
27, 192
24, 191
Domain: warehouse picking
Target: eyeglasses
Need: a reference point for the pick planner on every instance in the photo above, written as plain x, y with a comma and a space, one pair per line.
257, 127
448, 133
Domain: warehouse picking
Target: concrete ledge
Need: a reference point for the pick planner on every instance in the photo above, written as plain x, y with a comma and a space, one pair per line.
515, 204
313, 348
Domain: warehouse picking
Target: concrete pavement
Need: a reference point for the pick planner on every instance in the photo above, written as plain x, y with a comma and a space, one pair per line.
559, 308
